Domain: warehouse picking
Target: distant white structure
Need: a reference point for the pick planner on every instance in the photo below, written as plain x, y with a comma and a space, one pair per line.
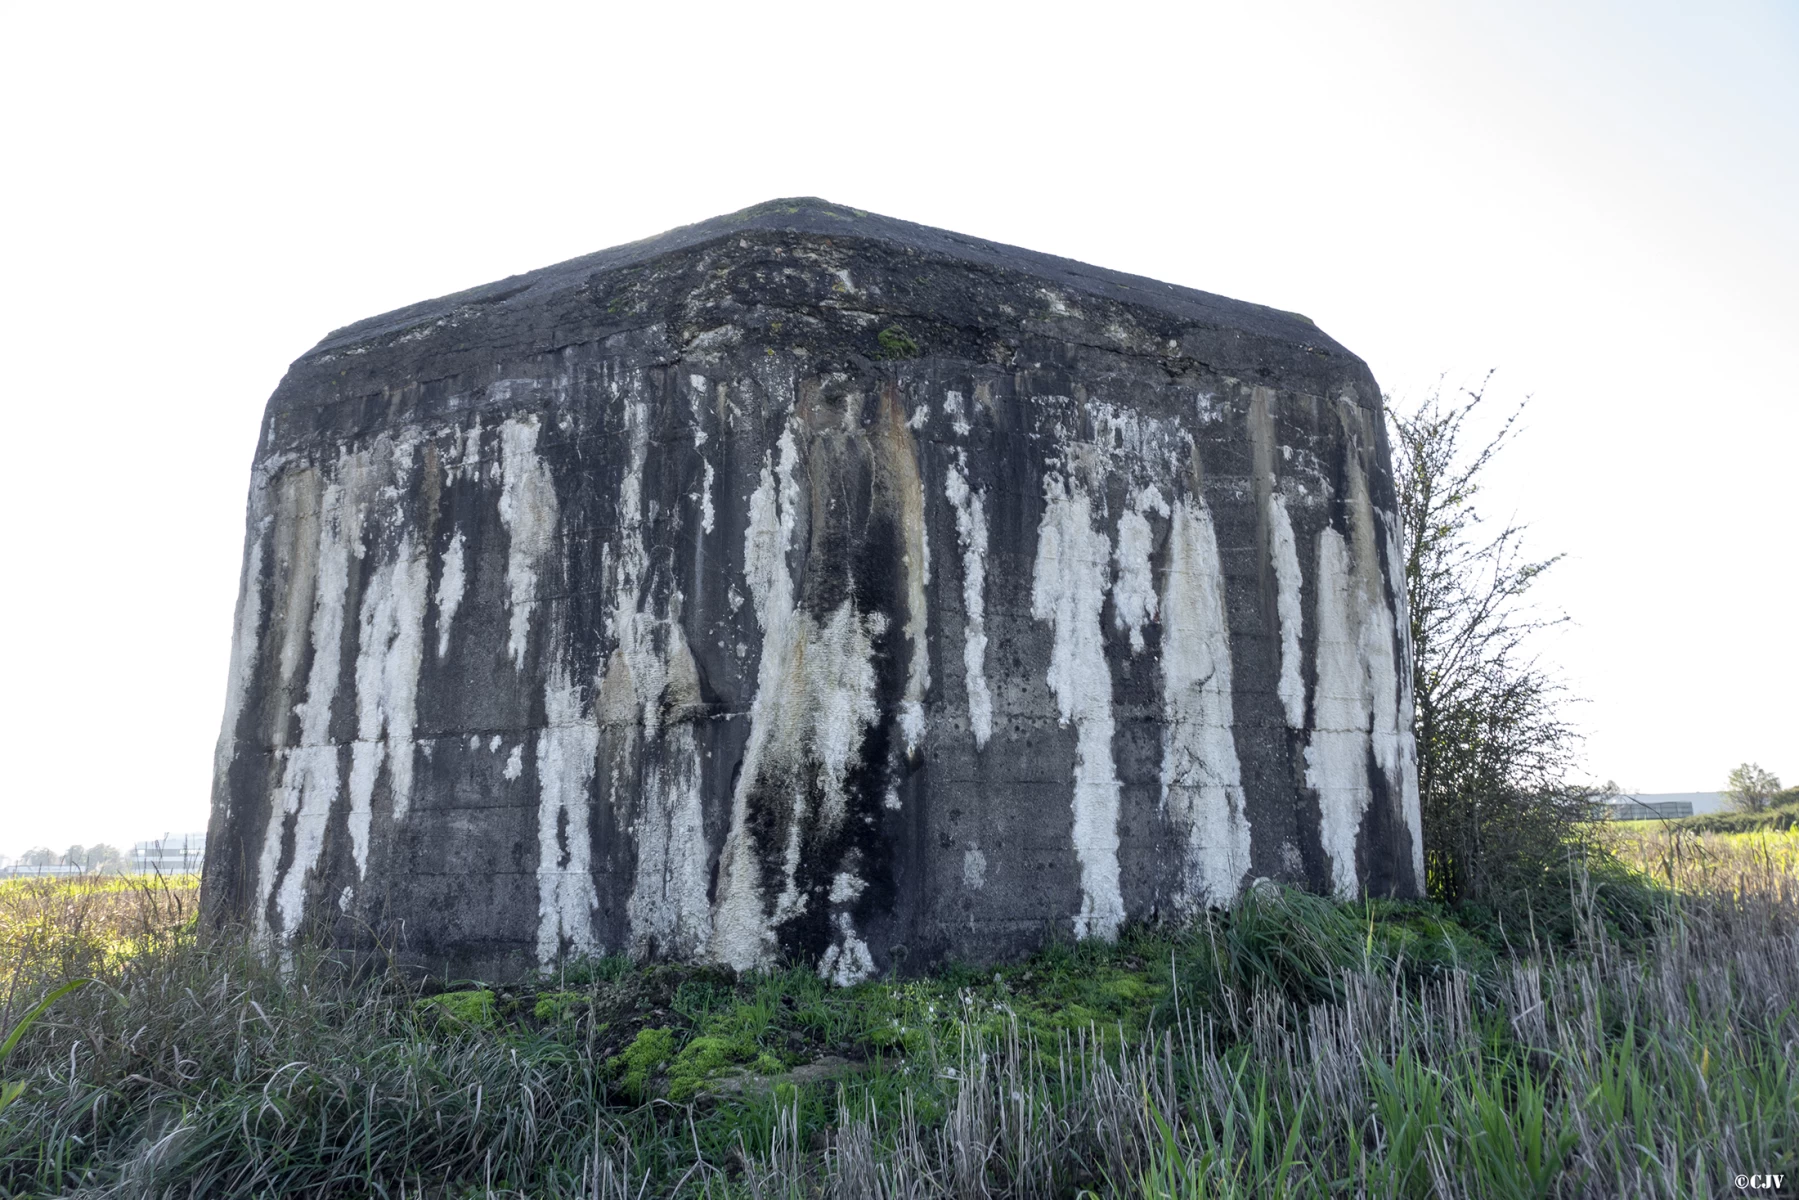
1664, 806
171, 854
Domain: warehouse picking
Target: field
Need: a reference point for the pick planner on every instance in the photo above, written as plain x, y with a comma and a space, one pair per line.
1635, 1041
1688, 857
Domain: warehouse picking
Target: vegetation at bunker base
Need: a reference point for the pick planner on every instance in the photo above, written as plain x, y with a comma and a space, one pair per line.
1293, 1045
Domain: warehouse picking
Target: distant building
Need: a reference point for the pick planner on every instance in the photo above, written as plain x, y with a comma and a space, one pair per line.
23, 870
171, 854
1666, 806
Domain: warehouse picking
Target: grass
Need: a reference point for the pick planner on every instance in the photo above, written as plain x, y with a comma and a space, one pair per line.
55, 928
1695, 860
1781, 816
1294, 1046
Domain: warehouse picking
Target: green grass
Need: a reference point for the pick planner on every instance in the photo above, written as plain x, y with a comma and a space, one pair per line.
1293, 1046
63, 927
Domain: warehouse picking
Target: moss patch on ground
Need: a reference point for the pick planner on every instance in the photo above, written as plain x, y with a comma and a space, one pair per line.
676, 1031
472, 1009
643, 1059
553, 1007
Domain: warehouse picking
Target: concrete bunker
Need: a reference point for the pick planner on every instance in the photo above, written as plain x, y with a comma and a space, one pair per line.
809, 585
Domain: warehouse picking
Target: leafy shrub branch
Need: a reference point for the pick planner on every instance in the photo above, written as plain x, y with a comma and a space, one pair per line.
1495, 749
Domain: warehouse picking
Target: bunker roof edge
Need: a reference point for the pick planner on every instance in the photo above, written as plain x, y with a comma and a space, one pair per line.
821, 218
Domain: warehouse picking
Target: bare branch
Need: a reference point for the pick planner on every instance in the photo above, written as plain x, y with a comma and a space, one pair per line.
1495, 750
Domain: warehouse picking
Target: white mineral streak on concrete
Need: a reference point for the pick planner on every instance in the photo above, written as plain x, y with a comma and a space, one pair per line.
955, 409
903, 463
470, 465
1337, 753
569, 741
768, 535
668, 899
971, 533
1124, 439
1284, 552
566, 749
309, 779
812, 727
1134, 590
1378, 658
918, 673
974, 869
1407, 770
631, 624
1363, 706
515, 762
668, 909
1069, 590
707, 515
911, 723
696, 399
846, 886
741, 936
651, 673
450, 586
245, 649
528, 509
389, 652
814, 702
299, 495
848, 961
788, 902
837, 700
1202, 783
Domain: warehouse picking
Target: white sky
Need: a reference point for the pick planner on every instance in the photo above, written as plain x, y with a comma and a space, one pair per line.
1600, 200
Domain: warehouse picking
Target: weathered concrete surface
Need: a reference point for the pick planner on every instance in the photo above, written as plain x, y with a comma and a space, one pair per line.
810, 585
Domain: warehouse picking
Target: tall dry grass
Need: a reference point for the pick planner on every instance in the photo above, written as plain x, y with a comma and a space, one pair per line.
1291, 1047
1660, 1070
58, 928
1759, 868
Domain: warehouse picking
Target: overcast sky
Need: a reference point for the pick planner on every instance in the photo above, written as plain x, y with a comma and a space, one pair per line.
1599, 200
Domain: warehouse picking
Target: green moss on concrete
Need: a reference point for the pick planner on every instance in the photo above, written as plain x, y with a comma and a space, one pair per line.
896, 343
